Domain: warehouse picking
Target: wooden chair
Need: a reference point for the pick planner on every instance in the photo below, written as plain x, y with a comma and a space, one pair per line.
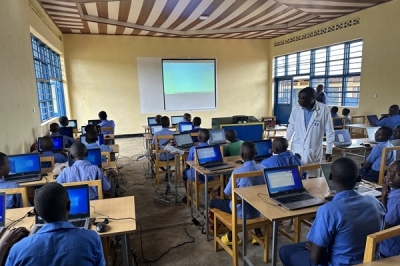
108, 129
92, 183
309, 167
106, 154
159, 163
384, 167
358, 119
18, 190
269, 121
228, 220
357, 132
47, 159
373, 239
343, 119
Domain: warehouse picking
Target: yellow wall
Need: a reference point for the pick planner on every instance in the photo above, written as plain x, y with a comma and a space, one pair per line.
20, 125
381, 57
102, 75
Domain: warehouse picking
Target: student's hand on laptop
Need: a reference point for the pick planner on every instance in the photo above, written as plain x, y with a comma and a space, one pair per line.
13, 236
328, 157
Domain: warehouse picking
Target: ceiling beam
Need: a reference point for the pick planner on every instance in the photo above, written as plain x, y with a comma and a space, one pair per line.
87, 1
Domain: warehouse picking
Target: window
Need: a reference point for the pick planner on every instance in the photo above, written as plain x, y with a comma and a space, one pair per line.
337, 67
48, 80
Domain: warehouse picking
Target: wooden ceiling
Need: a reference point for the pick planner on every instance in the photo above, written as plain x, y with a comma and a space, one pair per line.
243, 19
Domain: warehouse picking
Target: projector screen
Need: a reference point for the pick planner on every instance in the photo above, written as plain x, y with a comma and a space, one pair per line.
189, 84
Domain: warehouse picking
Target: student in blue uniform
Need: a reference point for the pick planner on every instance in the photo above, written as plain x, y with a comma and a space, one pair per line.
47, 145
393, 120
283, 157
345, 113
370, 169
63, 120
334, 114
58, 242
337, 236
196, 127
9, 239
91, 140
55, 131
106, 123
12, 201
163, 132
187, 118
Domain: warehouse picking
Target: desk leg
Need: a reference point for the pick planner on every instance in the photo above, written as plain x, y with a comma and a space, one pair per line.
126, 251
244, 231
169, 175
206, 207
274, 241
176, 177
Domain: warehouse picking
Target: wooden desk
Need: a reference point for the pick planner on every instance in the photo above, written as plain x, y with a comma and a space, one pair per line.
126, 209
355, 146
358, 126
274, 129
257, 196
114, 147
392, 261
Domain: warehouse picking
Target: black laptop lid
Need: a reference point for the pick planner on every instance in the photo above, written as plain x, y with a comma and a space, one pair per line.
24, 164
67, 131
209, 155
283, 180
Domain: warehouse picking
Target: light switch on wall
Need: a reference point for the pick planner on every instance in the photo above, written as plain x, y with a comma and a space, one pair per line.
375, 95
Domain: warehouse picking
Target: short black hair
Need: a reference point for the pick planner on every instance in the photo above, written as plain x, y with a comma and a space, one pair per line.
90, 128
394, 109
3, 158
345, 171
346, 111
204, 134
165, 122
334, 109
63, 120
388, 131
248, 150
46, 143
309, 92
281, 144
158, 119
51, 202
102, 115
91, 136
197, 121
78, 151
231, 134
54, 127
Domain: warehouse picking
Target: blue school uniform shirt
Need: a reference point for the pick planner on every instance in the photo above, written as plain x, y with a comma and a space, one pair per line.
190, 173
336, 123
163, 132
82, 170
58, 157
67, 140
12, 201
107, 123
391, 121
195, 130
283, 159
342, 225
248, 166
376, 155
58, 243
308, 114
391, 247
102, 147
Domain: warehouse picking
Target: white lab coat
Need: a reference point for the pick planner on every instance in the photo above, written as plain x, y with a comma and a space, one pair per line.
307, 142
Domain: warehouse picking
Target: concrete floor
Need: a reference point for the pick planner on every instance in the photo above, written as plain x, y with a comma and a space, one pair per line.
164, 226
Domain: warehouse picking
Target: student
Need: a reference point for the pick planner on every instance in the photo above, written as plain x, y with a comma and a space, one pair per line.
345, 113
58, 242
396, 140
283, 157
338, 233
336, 123
12, 201
163, 132
321, 96
248, 151
91, 138
90, 128
158, 119
106, 123
82, 170
47, 145
55, 131
233, 148
188, 173
393, 120
370, 169
9, 239
63, 120
196, 124
391, 200
187, 118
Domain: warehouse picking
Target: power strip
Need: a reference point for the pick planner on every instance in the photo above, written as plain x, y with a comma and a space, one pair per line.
162, 201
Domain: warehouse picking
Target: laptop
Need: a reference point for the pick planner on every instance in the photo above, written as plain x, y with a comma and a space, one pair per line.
342, 138
3, 199
94, 122
286, 188
264, 149
176, 119
58, 142
185, 126
217, 137
151, 121
79, 215
24, 168
100, 139
73, 123
210, 158
67, 131
371, 134
372, 119
93, 156
360, 188
183, 141
154, 129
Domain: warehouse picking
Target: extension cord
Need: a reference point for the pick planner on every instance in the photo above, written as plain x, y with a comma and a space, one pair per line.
162, 201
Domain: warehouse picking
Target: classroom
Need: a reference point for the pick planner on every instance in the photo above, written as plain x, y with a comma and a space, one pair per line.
102, 66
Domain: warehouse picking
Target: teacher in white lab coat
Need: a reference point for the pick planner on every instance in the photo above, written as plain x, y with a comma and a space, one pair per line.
308, 122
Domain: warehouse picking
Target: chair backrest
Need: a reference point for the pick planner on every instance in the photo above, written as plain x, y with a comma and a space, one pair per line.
18, 190
107, 129
373, 239
308, 167
106, 154
92, 183
269, 121
47, 159
343, 119
384, 167
157, 148
358, 119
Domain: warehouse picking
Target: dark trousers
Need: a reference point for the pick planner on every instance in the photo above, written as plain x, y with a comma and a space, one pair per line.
369, 174
295, 255
221, 204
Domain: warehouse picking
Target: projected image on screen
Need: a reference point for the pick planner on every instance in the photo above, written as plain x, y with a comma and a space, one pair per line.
189, 84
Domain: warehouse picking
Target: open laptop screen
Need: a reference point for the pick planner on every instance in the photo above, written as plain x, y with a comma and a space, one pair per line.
58, 143
185, 126
93, 156
79, 197
183, 139
209, 154
264, 148
372, 119
24, 164
342, 136
73, 123
67, 131
2, 208
100, 139
217, 136
283, 179
176, 119
155, 129
151, 121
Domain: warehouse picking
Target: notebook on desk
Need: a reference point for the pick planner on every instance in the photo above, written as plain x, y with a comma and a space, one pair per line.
372, 119
79, 215
93, 156
217, 137
285, 187
3, 198
210, 158
58, 144
264, 149
24, 168
342, 138
183, 140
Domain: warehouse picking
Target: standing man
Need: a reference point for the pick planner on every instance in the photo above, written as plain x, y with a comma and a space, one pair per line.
321, 96
308, 122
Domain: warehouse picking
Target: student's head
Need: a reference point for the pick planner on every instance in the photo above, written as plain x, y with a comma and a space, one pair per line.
248, 151
279, 145
204, 135
4, 165
231, 135
344, 173
165, 122
396, 132
394, 110
306, 97
91, 136
78, 151
345, 111
158, 119
63, 120
320, 88
334, 109
393, 175
54, 128
187, 117
196, 121
102, 115
384, 133
46, 143
52, 203
90, 128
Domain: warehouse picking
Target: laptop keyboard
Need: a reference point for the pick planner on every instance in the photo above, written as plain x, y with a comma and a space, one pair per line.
362, 189
296, 198
25, 179
80, 223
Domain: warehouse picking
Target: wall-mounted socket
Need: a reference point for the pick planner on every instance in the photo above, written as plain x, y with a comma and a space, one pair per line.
375, 95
